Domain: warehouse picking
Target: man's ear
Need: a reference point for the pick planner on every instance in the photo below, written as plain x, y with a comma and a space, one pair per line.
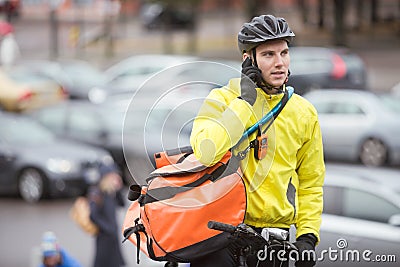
245, 55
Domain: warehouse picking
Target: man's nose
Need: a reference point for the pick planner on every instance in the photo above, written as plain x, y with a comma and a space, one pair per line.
278, 60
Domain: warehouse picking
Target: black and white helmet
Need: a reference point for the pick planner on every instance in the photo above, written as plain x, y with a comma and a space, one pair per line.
261, 29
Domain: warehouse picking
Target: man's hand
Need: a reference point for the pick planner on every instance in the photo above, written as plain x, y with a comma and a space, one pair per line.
306, 250
250, 79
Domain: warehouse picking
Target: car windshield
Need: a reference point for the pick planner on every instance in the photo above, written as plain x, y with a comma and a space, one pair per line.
114, 120
24, 132
84, 75
22, 76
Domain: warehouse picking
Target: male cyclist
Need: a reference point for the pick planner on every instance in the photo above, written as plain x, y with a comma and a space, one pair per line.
284, 187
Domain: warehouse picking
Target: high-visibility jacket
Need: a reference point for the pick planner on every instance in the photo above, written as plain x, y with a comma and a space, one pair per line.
285, 187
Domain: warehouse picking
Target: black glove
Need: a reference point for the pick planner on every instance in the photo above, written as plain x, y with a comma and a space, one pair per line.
303, 243
250, 79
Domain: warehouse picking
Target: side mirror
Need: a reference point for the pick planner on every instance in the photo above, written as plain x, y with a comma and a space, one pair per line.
395, 220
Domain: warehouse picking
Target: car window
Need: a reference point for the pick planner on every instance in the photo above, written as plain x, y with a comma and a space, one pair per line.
15, 132
113, 121
53, 119
84, 126
367, 206
347, 108
333, 197
324, 107
84, 74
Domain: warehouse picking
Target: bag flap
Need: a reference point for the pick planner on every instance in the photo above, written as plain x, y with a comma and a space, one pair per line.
189, 165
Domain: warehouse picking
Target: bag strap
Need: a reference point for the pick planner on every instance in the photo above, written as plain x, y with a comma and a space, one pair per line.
135, 230
268, 118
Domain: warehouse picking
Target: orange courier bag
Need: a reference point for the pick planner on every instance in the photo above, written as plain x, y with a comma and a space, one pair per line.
172, 212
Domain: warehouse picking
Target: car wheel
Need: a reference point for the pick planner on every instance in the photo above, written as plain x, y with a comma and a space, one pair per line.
31, 185
373, 152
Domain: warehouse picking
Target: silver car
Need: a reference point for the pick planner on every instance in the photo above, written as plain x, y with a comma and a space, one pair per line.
358, 125
361, 219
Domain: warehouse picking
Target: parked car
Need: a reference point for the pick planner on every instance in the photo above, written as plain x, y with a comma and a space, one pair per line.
164, 72
319, 67
83, 121
361, 214
34, 163
77, 77
358, 125
22, 91
128, 74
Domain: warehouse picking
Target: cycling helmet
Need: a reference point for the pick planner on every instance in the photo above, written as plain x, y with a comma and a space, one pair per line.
261, 29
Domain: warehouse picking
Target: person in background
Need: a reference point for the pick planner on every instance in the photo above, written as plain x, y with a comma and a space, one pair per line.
53, 255
9, 48
104, 198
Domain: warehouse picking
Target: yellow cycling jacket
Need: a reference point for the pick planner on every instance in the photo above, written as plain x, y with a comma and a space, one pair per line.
285, 187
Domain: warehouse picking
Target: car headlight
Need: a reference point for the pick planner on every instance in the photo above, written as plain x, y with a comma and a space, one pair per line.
62, 165
97, 95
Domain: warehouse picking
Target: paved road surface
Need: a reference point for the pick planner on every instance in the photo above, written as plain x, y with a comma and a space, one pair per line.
22, 225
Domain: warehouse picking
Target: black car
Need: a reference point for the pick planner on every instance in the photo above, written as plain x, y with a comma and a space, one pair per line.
34, 163
319, 67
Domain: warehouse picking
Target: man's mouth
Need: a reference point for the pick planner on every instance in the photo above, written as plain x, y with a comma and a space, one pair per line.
278, 73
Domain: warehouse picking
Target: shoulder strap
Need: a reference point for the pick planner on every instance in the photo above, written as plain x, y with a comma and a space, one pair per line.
288, 93
273, 113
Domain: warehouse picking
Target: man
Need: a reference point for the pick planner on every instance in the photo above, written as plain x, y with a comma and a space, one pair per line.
285, 186
53, 255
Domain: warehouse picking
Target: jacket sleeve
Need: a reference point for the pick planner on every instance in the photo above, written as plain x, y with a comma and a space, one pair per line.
311, 174
218, 126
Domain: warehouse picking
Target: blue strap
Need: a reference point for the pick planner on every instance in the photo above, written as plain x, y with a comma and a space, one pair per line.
271, 114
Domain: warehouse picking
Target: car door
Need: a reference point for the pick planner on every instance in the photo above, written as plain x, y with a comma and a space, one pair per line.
85, 125
355, 227
342, 126
7, 167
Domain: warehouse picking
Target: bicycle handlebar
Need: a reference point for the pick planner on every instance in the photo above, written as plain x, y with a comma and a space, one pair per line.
267, 237
221, 227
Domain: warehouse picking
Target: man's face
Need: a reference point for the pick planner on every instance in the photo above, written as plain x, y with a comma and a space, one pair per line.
273, 59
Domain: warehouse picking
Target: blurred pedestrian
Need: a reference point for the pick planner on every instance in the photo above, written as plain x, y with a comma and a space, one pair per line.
104, 199
53, 255
9, 48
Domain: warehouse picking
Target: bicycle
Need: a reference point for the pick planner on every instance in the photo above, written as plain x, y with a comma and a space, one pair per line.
251, 242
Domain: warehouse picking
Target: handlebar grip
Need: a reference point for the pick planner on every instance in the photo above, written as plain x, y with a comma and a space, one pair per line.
221, 227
